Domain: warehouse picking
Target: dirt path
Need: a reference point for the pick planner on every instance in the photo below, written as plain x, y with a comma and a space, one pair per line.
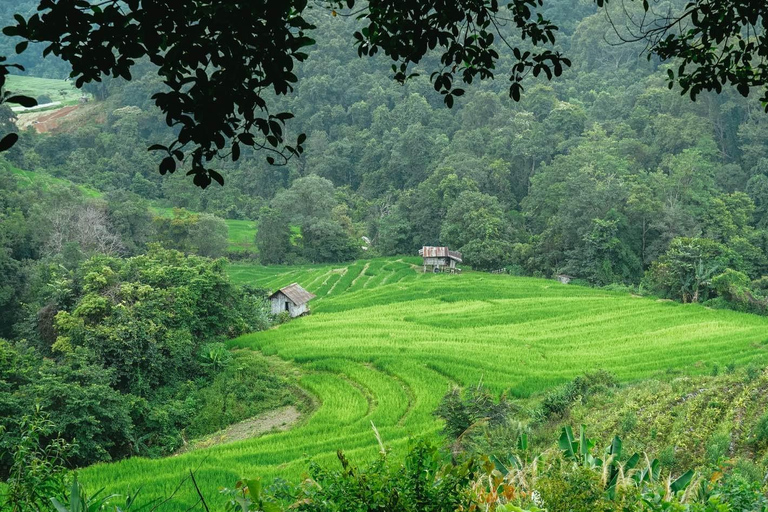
44, 122
67, 118
272, 421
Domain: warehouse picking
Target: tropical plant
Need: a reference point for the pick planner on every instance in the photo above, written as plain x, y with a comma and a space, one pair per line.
37, 471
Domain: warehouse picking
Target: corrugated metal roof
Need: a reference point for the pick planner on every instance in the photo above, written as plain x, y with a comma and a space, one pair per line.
295, 293
439, 252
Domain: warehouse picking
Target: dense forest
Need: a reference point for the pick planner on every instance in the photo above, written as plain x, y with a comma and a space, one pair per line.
603, 174
115, 313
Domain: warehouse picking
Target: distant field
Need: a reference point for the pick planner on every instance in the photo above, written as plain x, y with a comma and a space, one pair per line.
46, 181
57, 90
242, 233
384, 343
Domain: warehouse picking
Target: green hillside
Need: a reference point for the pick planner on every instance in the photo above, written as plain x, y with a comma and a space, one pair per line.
241, 233
46, 181
685, 421
385, 342
63, 91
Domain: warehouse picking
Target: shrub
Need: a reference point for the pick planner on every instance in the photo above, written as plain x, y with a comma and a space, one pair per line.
214, 357
717, 447
282, 317
667, 457
425, 481
739, 494
558, 401
752, 371
760, 434
467, 413
37, 471
749, 470
580, 490
244, 387
628, 422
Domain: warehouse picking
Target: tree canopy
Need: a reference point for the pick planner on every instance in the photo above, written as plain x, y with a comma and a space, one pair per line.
221, 62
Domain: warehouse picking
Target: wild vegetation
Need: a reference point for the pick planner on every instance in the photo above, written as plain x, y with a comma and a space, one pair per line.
126, 336
384, 343
592, 175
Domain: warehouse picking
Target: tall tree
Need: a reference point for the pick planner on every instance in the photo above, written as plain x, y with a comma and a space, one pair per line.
273, 238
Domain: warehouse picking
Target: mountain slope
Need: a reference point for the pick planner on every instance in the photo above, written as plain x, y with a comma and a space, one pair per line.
385, 352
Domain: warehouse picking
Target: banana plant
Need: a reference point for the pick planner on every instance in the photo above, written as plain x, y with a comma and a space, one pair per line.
517, 460
79, 501
579, 450
648, 474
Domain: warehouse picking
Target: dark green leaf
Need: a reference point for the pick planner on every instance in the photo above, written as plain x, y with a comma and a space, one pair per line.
8, 141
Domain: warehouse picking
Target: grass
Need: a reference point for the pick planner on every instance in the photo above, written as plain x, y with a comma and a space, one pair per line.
684, 414
241, 233
47, 181
384, 343
58, 90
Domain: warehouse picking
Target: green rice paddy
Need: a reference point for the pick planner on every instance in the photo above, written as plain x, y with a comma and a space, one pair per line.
384, 343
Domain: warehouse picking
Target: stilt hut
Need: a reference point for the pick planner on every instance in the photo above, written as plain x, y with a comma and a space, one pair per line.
439, 259
293, 299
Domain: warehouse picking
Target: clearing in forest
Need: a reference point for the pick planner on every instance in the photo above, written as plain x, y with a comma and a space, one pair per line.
384, 343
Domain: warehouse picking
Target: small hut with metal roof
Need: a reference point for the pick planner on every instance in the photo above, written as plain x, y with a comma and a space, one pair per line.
293, 299
439, 259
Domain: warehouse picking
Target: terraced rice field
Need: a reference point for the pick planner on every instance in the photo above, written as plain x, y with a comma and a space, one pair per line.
384, 343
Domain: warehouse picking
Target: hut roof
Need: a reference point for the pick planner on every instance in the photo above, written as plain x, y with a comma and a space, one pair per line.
439, 252
295, 293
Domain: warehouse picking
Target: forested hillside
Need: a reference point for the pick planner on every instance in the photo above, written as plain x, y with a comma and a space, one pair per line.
119, 286
594, 174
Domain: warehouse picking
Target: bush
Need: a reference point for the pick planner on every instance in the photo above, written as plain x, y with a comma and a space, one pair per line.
752, 371
628, 422
37, 471
740, 494
667, 457
749, 470
467, 413
281, 318
620, 287
717, 447
580, 490
245, 387
425, 481
558, 401
760, 433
